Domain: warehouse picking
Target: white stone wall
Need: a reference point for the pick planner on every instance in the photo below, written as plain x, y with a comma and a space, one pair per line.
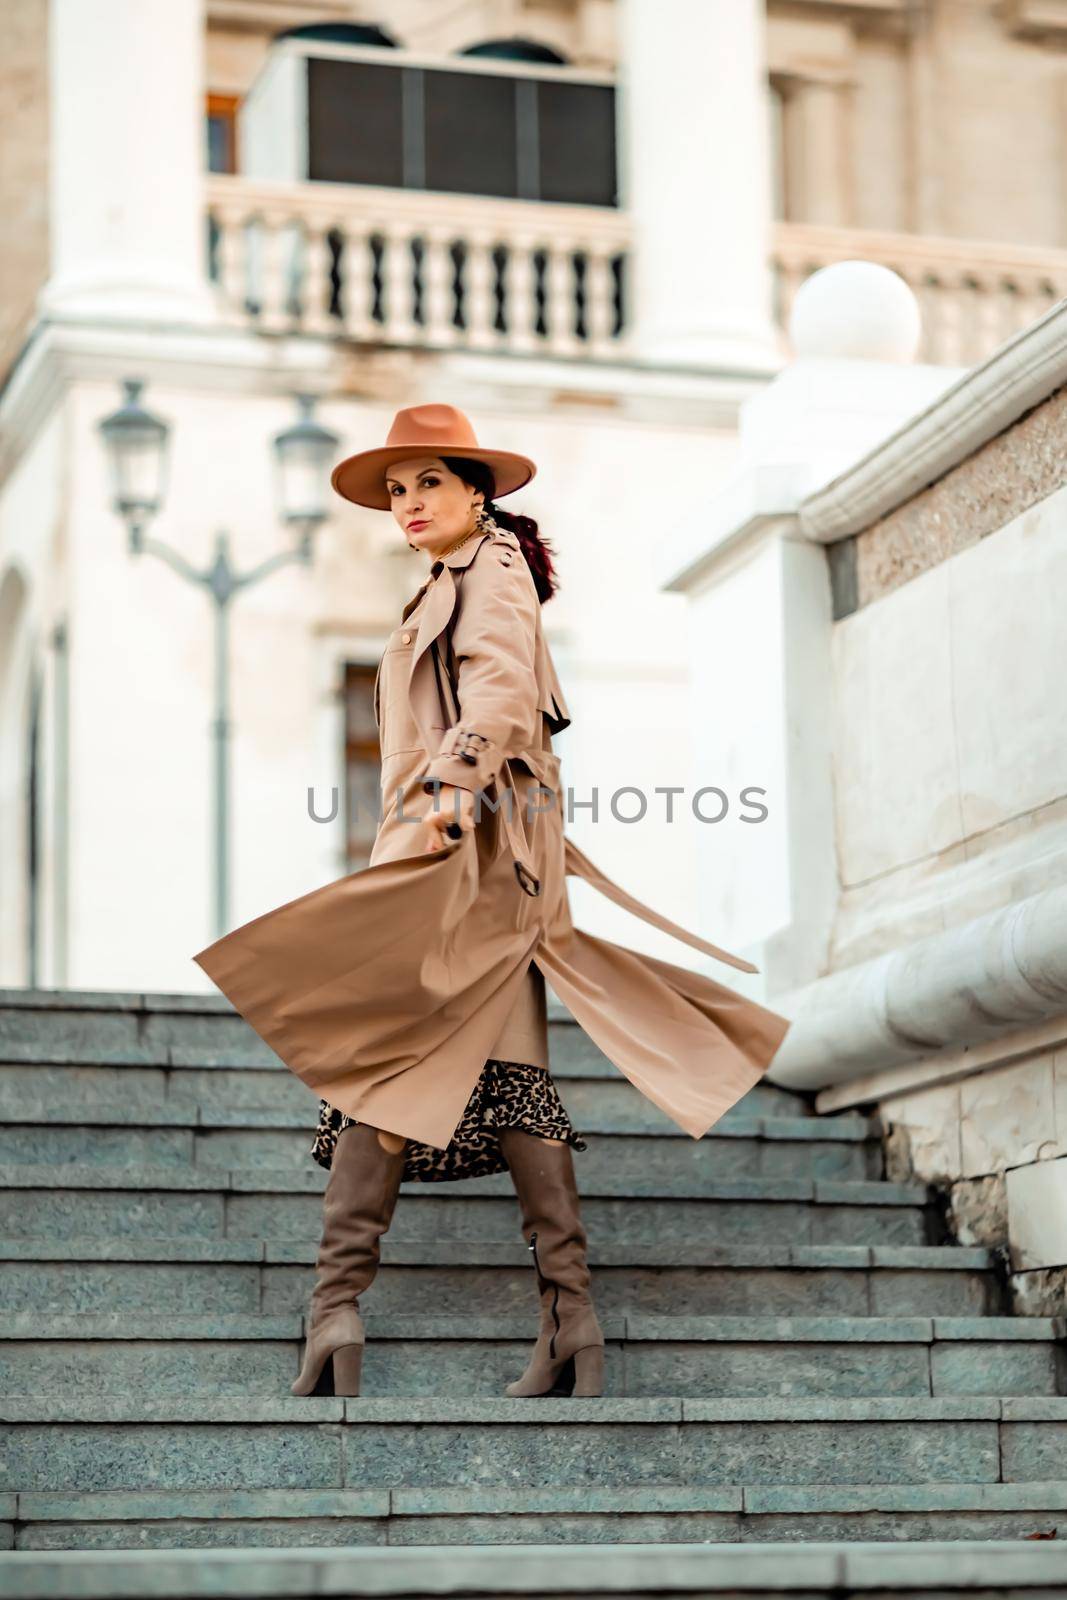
997, 1143
950, 748
34, 589
980, 1126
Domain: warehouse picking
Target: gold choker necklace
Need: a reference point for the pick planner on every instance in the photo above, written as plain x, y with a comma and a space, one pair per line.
459, 544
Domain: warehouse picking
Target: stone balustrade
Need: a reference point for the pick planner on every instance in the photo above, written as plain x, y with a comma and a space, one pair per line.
973, 295
402, 267
397, 267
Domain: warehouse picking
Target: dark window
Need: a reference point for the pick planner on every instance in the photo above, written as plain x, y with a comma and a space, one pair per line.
469, 132
355, 122
363, 768
222, 132
461, 132
576, 142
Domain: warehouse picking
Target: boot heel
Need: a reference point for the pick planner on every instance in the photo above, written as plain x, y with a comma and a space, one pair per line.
347, 1369
589, 1370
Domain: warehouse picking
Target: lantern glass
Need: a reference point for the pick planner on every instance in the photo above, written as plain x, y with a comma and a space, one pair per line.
136, 444
302, 455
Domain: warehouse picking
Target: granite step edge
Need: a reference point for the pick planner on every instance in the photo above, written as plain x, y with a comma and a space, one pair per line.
755, 1499
635, 1327
444, 1252
594, 1569
860, 1192
428, 1410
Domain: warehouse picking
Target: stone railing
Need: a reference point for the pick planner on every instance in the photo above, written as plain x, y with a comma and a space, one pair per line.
973, 295
398, 267
392, 266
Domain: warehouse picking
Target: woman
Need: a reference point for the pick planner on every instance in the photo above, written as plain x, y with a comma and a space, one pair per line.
411, 994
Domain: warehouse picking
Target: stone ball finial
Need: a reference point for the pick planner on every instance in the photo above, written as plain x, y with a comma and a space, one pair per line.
855, 311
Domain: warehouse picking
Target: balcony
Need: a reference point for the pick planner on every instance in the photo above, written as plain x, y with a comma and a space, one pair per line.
396, 267
389, 266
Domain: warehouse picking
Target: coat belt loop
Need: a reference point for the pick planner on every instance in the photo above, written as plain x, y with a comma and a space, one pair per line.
520, 852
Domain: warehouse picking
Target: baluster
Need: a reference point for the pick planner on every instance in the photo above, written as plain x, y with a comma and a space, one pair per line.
930, 327
791, 276
398, 271
315, 287
276, 274
438, 294
357, 284
479, 301
948, 313
915, 278
987, 316
561, 300
777, 268
599, 299
520, 295
1029, 303
233, 263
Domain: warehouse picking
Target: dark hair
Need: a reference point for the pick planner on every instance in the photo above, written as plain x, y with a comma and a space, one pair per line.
538, 554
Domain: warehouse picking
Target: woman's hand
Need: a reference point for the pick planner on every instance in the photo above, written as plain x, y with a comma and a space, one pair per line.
445, 809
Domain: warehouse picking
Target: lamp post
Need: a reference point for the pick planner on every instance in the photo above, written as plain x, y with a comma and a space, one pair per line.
137, 447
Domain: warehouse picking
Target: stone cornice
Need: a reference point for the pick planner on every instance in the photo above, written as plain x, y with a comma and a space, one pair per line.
979, 981
234, 359
980, 405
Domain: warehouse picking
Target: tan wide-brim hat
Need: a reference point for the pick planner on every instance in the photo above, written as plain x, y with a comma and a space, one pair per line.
425, 431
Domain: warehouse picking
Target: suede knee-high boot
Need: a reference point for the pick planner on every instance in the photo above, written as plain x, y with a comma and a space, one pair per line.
358, 1207
568, 1358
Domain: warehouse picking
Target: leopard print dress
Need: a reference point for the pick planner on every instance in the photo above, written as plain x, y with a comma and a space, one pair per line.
508, 1094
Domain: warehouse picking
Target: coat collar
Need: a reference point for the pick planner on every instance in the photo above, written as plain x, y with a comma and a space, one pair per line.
442, 596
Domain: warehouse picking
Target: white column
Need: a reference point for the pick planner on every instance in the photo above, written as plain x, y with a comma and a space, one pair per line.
826, 151
695, 177
126, 102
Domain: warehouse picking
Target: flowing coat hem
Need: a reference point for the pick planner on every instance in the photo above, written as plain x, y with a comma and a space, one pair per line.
690, 1045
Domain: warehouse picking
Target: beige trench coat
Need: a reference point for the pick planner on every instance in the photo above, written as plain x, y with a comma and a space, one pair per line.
385, 991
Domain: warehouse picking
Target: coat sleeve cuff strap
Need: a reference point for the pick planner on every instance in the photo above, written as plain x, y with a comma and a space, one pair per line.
464, 758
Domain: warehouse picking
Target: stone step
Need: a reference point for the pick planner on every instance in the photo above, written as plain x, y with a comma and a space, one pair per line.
815, 1571
733, 1356
112, 1030
590, 1096
669, 1514
68, 1441
634, 1206
175, 1133
229, 1274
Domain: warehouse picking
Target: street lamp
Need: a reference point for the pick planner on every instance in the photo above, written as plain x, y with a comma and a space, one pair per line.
136, 443
301, 455
137, 448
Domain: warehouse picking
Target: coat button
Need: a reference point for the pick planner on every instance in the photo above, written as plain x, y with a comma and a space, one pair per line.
406, 638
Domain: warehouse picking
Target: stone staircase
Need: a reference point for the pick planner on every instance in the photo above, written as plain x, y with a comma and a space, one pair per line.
795, 1351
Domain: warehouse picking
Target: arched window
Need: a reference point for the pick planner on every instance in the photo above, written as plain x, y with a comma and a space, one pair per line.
516, 50
341, 33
